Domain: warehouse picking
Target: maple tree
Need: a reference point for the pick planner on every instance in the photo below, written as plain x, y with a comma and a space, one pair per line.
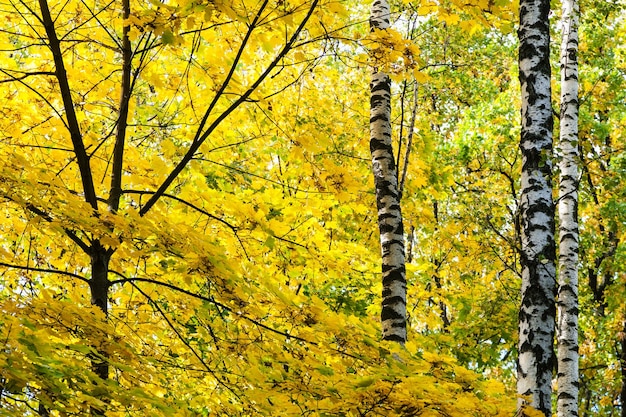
190, 223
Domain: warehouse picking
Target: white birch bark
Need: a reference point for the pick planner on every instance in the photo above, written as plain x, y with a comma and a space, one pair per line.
538, 309
567, 306
393, 314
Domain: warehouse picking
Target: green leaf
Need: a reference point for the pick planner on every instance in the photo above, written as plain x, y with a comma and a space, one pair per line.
167, 37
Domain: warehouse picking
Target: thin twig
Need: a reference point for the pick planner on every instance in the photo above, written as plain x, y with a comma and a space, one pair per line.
409, 142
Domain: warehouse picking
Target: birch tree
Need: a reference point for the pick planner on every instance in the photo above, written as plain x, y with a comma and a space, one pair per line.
393, 314
537, 311
567, 378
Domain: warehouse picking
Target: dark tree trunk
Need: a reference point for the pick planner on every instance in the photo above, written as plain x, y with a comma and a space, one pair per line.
99, 285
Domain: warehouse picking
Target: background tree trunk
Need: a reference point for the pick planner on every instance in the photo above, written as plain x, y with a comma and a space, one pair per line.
567, 346
538, 310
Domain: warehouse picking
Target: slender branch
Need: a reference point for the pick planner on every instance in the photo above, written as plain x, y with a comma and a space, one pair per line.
94, 16
198, 209
185, 202
496, 250
222, 306
19, 400
182, 339
50, 148
70, 233
72, 192
66, 94
41, 96
308, 68
120, 135
45, 270
24, 76
230, 145
296, 189
508, 240
207, 299
196, 144
27, 20
291, 242
401, 134
231, 72
408, 143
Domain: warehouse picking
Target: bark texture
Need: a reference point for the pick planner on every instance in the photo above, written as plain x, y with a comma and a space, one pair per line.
384, 166
99, 285
567, 346
538, 307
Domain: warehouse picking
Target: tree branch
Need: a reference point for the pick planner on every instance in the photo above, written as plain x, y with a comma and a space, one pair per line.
44, 270
185, 202
199, 140
66, 94
231, 72
196, 208
183, 340
120, 135
24, 75
241, 171
409, 142
207, 299
41, 96
70, 233
94, 16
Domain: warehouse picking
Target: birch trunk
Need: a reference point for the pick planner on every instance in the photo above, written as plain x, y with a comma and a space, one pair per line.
538, 309
567, 346
622, 362
393, 315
